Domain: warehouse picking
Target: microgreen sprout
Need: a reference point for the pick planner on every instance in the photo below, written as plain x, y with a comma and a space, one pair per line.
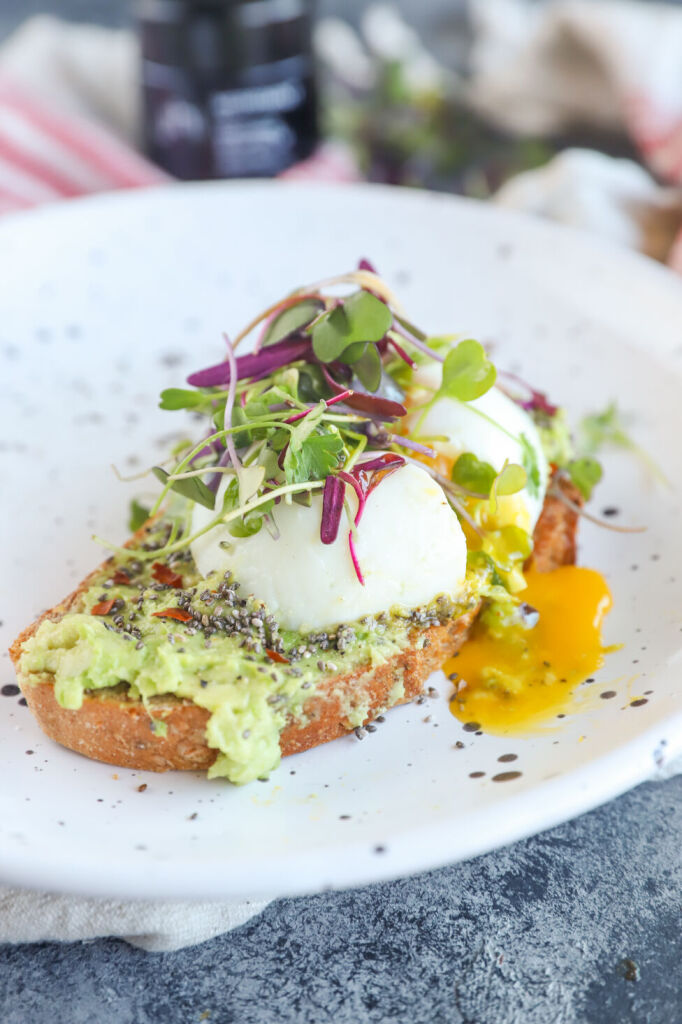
319, 405
606, 428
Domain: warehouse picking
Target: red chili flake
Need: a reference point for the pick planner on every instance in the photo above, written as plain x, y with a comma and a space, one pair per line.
164, 574
121, 577
173, 613
274, 656
103, 608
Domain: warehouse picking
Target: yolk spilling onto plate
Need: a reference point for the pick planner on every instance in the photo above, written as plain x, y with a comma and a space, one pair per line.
515, 677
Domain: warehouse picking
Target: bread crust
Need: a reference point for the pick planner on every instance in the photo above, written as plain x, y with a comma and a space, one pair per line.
111, 727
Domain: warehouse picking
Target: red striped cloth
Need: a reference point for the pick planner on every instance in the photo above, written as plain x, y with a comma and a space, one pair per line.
48, 154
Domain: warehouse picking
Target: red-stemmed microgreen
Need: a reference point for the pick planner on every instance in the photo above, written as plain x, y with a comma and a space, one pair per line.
536, 401
314, 407
332, 508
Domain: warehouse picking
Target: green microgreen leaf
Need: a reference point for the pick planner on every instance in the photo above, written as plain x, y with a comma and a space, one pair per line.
311, 384
601, 428
585, 473
354, 352
250, 480
248, 417
138, 516
268, 460
249, 524
192, 487
180, 398
304, 498
510, 480
279, 440
246, 527
312, 459
361, 317
472, 474
415, 331
467, 372
441, 343
368, 368
181, 446
292, 319
529, 460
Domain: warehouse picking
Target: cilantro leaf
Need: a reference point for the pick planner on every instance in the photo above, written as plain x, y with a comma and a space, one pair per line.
138, 516
467, 372
192, 487
361, 317
585, 474
312, 459
529, 461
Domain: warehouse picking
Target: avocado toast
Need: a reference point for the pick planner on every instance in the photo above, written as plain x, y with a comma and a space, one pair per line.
157, 662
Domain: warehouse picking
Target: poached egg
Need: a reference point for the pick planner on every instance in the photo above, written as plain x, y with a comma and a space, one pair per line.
409, 544
492, 427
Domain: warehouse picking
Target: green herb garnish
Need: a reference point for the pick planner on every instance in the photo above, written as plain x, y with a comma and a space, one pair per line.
585, 473
138, 516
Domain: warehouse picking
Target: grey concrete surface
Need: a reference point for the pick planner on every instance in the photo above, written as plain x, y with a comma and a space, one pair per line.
581, 925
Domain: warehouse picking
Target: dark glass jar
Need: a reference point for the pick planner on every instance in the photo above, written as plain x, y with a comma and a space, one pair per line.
229, 85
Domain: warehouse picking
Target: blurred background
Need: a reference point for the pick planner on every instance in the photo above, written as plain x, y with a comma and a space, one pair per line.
570, 109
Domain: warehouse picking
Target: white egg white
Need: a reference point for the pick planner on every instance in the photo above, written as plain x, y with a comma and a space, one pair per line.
491, 427
409, 544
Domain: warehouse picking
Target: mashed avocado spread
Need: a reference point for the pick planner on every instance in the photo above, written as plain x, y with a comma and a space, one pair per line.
162, 629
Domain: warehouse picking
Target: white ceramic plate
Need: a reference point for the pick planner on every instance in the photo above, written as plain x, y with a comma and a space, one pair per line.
104, 302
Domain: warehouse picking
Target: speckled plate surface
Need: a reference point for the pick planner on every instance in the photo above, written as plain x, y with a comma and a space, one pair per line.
108, 300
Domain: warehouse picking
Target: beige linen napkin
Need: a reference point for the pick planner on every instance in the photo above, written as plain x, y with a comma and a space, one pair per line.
157, 927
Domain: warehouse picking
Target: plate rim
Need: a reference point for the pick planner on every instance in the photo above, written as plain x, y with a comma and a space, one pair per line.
360, 865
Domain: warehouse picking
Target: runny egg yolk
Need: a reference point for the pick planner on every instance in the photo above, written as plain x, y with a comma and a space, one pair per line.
513, 678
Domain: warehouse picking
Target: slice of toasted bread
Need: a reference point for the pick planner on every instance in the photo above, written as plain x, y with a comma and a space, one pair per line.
111, 727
